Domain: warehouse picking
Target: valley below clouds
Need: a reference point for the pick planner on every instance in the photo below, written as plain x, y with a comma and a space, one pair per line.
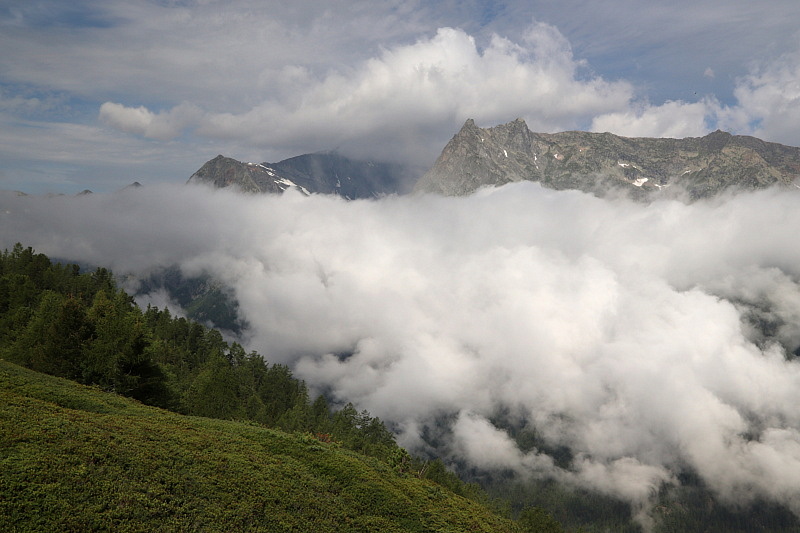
649, 340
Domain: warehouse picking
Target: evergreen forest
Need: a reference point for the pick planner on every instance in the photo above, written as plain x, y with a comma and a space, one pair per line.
58, 320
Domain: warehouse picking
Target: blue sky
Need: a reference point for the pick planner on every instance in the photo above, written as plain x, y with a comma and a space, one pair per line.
96, 94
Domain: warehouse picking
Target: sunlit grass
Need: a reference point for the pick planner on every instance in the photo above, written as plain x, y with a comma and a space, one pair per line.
73, 458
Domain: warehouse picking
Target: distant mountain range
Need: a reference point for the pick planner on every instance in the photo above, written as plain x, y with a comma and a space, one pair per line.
321, 172
599, 163
602, 162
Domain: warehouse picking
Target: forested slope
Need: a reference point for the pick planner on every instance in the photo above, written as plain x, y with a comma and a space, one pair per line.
74, 458
77, 458
56, 320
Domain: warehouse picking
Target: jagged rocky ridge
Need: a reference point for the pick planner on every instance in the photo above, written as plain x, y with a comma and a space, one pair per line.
602, 162
322, 172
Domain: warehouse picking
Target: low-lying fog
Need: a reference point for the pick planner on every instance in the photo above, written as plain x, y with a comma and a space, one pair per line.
633, 334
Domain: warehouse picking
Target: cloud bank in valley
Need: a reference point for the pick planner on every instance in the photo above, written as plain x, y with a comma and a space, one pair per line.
625, 332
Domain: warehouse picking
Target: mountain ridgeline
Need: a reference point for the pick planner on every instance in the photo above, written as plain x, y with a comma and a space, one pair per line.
600, 163
597, 163
321, 172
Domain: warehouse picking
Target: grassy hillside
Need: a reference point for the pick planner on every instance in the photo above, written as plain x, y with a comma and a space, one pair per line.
73, 458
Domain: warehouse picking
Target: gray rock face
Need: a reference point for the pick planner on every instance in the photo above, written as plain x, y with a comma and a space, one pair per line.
222, 172
323, 172
602, 162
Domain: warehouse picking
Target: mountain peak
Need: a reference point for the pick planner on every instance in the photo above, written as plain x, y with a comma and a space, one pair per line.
326, 172
469, 125
601, 162
222, 172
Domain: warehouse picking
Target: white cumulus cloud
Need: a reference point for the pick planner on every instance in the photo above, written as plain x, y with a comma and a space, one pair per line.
401, 102
767, 106
141, 121
671, 119
769, 98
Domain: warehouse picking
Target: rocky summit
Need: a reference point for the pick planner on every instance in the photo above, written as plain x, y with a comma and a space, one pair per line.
322, 172
602, 162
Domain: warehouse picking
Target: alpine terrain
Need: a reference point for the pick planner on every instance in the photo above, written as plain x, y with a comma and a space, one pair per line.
321, 172
602, 162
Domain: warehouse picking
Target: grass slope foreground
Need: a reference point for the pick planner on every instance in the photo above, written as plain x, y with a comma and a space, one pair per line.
73, 458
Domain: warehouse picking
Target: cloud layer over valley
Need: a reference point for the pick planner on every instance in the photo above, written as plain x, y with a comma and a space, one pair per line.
648, 339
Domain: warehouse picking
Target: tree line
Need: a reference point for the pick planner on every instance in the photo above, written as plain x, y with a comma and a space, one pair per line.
80, 326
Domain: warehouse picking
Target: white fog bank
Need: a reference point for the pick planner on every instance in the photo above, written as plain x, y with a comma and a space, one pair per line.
621, 330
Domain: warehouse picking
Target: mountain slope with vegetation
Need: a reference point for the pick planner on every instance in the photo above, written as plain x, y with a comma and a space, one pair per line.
82, 457
74, 458
56, 320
